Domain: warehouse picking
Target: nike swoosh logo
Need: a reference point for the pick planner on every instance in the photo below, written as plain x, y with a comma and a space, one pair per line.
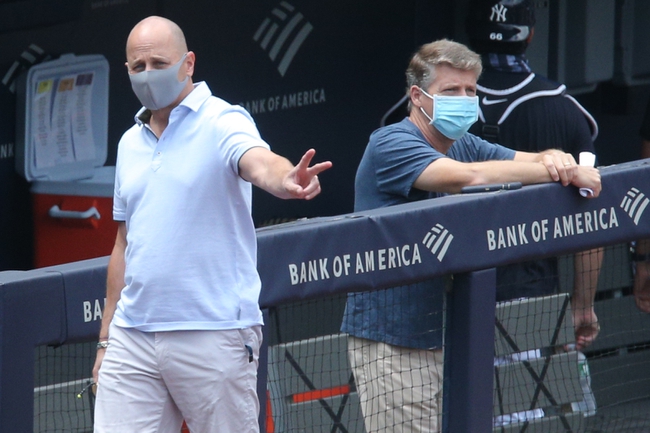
487, 101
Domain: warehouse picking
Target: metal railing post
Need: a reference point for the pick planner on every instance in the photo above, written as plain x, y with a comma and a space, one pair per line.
469, 353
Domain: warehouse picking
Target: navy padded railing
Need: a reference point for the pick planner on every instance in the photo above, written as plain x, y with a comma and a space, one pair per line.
361, 251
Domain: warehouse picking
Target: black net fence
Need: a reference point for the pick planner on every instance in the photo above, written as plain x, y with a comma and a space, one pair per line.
323, 380
549, 375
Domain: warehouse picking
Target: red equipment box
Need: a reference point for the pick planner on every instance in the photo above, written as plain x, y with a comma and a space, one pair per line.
61, 148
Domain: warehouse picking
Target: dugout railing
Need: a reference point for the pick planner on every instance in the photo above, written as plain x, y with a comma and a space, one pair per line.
465, 235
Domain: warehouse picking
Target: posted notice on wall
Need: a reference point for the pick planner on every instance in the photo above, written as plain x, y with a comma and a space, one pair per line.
61, 120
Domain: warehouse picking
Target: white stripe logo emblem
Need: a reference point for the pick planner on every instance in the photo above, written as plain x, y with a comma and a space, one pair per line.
282, 34
634, 204
438, 240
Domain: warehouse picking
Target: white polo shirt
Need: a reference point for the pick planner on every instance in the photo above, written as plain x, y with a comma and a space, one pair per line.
191, 253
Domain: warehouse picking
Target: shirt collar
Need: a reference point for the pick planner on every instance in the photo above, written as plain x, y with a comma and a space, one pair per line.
507, 62
193, 101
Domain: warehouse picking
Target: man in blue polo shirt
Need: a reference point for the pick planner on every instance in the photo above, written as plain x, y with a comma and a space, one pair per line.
395, 335
181, 330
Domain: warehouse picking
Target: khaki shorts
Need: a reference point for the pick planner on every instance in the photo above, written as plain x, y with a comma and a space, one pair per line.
400, 389
152, 381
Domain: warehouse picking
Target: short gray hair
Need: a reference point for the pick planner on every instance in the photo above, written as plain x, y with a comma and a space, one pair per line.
422, 67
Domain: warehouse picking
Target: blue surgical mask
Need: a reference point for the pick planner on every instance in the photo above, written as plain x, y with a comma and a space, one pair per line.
453, 115
158, 88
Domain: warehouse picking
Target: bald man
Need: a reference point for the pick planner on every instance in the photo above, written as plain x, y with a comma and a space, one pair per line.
181, 328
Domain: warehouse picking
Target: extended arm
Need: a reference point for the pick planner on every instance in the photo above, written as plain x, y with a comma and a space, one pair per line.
586, 269
114, 286
642, 276
276, 175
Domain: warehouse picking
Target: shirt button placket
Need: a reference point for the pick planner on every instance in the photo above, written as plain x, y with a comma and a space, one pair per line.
157, 158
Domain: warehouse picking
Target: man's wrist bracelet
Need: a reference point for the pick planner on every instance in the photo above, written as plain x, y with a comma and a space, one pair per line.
638, 257
102, 344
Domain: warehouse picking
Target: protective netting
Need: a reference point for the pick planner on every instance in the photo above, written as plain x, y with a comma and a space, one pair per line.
63, 400
323, 380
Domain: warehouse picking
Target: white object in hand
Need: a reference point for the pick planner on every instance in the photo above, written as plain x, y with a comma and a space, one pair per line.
587, 159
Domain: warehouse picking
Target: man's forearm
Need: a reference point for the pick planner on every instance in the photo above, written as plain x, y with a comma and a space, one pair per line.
114, 286
586, 269
114, 280
642, 246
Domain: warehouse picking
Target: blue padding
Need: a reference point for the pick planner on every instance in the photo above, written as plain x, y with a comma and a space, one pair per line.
84, 285
32, 313
469, 354
312, 258
324, 256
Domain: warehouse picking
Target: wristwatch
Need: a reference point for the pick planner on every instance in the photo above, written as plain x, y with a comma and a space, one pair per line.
102, 344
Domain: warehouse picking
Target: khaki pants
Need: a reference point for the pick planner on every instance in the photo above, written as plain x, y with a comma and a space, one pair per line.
400, 389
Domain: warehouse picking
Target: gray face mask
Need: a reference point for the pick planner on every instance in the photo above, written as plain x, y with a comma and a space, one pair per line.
158, 88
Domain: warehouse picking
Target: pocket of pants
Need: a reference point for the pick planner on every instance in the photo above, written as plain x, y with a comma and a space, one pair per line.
251, 340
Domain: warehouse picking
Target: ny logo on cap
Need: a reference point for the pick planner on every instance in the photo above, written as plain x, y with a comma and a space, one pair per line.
498, 13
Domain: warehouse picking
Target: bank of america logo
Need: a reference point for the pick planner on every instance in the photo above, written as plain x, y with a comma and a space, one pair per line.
634, 203
282, 34
438, 240
31, 56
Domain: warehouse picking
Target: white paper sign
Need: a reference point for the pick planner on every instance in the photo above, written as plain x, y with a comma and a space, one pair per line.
60, 135
43, 154
82, 128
